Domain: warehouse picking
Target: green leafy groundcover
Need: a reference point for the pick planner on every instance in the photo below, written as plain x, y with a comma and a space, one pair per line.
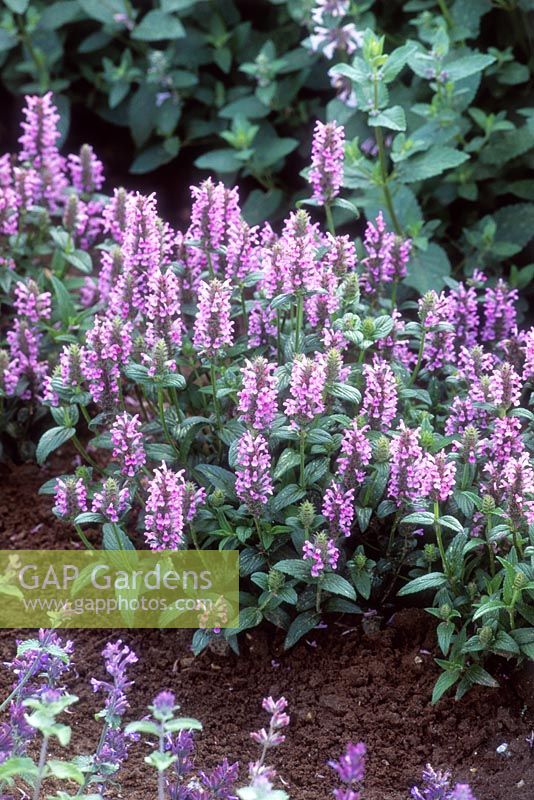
435, 98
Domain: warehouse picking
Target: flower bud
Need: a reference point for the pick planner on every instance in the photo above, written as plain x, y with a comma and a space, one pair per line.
360, 561
488, 504
275, 580
368, 327
430, 553
427, 304
351, 287
382, 451
445, 611
334, 364
520, 580
485, 634
217, 498
427, 439
306, 514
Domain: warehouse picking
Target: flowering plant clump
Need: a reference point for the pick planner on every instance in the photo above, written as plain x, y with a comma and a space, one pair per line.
39, 698
52, 220
292, 398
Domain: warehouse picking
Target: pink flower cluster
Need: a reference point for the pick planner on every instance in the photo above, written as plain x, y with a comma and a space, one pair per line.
258, 397
326, 173
322, 552
253, 482
171, 504
127, 441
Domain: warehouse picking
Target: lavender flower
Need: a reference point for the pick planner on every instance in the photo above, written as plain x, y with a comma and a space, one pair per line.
253, 484
380, 396
261, 325
219, 783
504, 387
350, 769
322, 552
279, 720
356, 454
327, 40
499, 312
258, 397
213, 329
117, 659
87, 171
306, 401
242, 251
406, 466
326, 173
437, 477
127, 441
386, 259
112, 501
518, 485
31, 303
171, 504
71, 497
296, 248
338, 509
39, 146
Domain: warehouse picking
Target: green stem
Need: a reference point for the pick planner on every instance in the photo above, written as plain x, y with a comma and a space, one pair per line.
439, 538
85, 455
394, 295
161, 775
318, 599
244, 310
490, 548
85, 414
329, 219
385, 177
216, 406
40, 768
83, 537
300, 314
417, 367
302, 481
161, 409
278, 336
446, 13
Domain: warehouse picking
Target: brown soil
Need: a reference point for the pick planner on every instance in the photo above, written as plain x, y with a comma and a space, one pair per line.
342, 684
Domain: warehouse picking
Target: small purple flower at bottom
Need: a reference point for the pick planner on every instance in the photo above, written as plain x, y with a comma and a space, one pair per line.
350, 768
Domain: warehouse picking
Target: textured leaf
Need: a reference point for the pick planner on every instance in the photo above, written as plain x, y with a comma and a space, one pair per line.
434, 580
51, 440
157, 25
300, 626
427, 165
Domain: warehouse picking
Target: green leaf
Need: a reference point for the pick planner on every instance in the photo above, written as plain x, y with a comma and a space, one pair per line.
65, 771
443, 683
222, 161
248, 107
295, 567
17, 766
261, 205
478, 674
289, 495
152, 158
277, 149
336, 584
451, 523
218, 477
468, 65
288, 460
392, 118
157, 25
419, 518
103, 10
17, 6
445, 632
141, 114
183, 724
80, 260
114, 538
51, 440
434, 580
143, 726
488, 608
427, 269
65, 303
58, 14
436, 160
300, 626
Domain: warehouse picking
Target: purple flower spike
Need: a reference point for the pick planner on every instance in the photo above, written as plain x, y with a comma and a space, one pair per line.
326, 174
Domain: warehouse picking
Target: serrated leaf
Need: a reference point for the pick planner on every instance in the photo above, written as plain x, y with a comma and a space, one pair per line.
300, 626
436, 160
336, 584
157, 25
51, 440
434, 580
392, 118
286, 497
443, 683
